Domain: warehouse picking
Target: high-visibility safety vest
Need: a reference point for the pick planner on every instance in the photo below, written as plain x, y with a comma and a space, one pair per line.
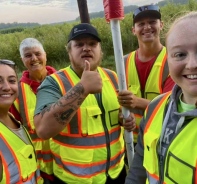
26, 108
154, 83
91, 146
18, 159
180, 164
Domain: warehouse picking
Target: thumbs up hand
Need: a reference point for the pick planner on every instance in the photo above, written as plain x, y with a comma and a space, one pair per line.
91, 80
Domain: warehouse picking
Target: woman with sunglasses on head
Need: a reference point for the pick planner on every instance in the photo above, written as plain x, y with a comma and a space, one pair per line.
17, 156
166, 151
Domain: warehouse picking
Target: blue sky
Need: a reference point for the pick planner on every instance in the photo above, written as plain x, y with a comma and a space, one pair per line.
50, 11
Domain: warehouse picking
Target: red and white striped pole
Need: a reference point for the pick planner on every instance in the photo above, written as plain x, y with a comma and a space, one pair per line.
114, 12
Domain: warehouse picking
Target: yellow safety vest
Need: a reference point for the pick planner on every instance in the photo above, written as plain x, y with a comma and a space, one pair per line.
154, 83
91, 145
26, 108
180, 164
18, 159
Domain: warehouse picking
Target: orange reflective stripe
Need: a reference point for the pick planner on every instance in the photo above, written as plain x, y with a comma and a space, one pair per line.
112, 77
164, 61
127, 66
154, 112
26, 112
8, 157
7, 174
59, 81
69, 78
89, 141
90, 169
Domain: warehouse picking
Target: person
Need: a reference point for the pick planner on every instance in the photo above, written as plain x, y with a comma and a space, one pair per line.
146, 69
78, 108
34, 59
18, 162
166, 150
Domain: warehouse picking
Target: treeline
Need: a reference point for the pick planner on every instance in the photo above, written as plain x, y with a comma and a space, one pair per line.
18, 27
131, 8
54, 37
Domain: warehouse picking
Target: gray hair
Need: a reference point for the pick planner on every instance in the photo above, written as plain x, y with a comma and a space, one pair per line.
30, 43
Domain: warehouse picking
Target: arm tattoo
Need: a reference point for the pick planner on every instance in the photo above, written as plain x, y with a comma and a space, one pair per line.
69, 103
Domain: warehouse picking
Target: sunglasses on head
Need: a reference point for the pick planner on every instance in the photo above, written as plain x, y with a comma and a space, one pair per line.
144, 8
8, 62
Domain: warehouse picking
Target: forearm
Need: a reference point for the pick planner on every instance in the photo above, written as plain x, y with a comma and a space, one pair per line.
142, 103
56, 116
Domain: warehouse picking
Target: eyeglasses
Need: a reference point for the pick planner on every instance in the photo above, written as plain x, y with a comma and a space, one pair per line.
144, 8
8, 62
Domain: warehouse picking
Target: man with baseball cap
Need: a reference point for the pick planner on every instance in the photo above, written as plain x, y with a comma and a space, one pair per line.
78, 108
146, 68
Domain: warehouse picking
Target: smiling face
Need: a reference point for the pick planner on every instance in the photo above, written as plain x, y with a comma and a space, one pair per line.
181, 46
147, 29
8, 86
85, 48
34, 59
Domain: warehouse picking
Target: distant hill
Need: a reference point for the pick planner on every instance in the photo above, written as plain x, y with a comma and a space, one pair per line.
131, 8
17, 27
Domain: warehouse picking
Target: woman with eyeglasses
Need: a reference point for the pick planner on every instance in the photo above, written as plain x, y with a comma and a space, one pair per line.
18, 162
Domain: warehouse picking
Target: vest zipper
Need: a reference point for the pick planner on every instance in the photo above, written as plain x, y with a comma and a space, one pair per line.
99, 101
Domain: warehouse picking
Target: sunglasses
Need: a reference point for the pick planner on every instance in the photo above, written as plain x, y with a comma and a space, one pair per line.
144, 8
8, 62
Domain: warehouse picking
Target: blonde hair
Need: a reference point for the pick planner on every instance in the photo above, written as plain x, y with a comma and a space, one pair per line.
30, 43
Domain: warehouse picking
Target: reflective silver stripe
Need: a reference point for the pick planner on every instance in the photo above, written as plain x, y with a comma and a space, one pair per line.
87, 141
89, 169
13, 170
45, 156
74, 129
151, 179
111, 76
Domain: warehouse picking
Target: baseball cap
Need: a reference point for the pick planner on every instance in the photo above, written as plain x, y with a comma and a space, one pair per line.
146, 11
83, 29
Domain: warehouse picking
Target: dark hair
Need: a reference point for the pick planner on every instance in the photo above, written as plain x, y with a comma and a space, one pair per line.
8, 62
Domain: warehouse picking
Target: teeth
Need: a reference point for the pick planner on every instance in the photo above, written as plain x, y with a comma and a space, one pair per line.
192, 76
6, 95
35, 64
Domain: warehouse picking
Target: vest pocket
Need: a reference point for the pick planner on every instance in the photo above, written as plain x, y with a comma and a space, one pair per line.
27, 160
150, 154
135, 89
113, 117
185, 172
91, 120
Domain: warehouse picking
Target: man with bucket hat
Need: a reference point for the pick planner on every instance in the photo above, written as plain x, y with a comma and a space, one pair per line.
146, 68
78, 108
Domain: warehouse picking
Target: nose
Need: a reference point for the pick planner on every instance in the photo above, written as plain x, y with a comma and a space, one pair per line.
86, 47
192, 62
33, 57
5, 86
147, 26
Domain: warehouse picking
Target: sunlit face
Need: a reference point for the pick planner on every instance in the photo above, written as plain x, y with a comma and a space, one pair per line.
147, 29
182, 57
8, 86
34, 59
86, 48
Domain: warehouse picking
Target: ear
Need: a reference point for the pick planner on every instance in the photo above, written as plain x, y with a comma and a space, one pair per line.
161, 25
133, 30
